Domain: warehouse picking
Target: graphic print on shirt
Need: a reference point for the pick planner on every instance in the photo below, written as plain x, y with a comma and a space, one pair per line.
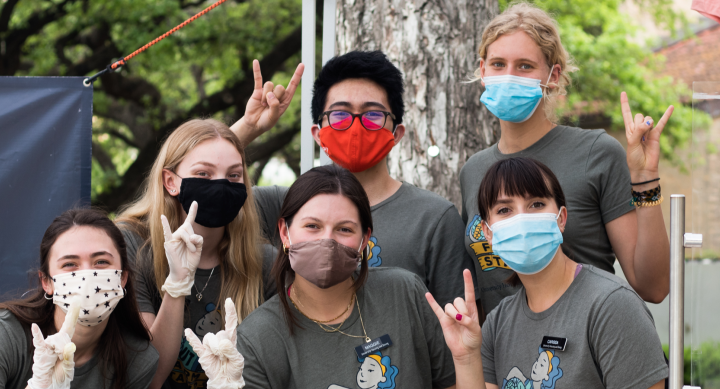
187, 369
545, 372
482, 249
374, 259
375, 372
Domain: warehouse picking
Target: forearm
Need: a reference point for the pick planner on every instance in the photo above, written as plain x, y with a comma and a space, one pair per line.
166, 333
652, 255
469, 373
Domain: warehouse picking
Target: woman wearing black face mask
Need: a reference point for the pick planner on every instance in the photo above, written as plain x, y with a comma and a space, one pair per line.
195, 238
335, 323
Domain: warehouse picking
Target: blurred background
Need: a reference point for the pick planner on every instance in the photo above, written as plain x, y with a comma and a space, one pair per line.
652, 49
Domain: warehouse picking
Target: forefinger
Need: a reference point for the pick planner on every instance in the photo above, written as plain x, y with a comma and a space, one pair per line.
192, 213
166, 228
626, 112
71, 317
257, 75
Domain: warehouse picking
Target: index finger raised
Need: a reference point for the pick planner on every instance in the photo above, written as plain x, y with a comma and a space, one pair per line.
71, 317
167, 233
192, 213
231, 320
626, 111
257, 75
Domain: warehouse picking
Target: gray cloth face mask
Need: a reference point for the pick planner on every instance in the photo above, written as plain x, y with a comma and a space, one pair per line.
324, 262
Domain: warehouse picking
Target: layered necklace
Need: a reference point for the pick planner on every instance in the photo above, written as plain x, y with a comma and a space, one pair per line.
323, 324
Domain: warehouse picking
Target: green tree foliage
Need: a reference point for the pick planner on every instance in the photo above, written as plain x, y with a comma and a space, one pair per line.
598, 36
203, 70
701, 365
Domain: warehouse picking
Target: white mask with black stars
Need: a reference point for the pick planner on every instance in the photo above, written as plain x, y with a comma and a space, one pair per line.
100, 290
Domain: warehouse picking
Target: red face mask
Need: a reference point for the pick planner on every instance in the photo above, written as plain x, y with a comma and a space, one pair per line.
356, 149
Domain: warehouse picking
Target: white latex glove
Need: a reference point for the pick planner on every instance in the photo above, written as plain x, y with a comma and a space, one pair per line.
182, 249
53, 360
218, 353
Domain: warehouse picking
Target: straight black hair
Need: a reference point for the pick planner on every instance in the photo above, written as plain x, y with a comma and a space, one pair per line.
519, 176
371, 65
125, 320
328, 179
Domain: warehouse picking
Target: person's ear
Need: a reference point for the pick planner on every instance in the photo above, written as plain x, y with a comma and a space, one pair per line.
315, 129
399, 133
170, 183
366, 240
283, 228
123, 279
47, 284
562, 219
555, 77
486, 231
482, 71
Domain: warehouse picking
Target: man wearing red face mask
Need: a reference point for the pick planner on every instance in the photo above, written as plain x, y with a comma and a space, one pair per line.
358, 109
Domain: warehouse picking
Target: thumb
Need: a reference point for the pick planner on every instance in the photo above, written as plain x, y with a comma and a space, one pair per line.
195, 342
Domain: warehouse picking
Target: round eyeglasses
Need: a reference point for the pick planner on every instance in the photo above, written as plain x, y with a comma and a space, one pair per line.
342, 120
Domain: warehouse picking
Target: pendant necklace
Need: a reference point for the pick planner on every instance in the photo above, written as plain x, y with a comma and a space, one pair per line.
199, 292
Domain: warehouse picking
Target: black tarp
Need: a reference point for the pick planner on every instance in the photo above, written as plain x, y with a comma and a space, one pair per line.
45, 164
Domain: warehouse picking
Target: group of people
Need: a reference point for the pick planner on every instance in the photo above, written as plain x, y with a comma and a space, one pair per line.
350, 278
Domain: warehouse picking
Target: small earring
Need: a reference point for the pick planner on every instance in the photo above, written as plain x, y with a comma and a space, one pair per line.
285, 249
46, 296
172, 191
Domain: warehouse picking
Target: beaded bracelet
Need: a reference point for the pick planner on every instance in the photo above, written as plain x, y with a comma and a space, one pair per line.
647, 198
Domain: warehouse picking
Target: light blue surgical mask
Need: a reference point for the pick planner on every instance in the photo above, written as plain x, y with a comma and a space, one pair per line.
512, 98
527, 242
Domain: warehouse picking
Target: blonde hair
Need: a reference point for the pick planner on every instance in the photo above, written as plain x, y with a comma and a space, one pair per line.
240, 247
542, 28
378, 359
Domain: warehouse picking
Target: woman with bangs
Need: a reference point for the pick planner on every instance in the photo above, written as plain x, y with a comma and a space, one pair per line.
525, 69
194, 234
570, 325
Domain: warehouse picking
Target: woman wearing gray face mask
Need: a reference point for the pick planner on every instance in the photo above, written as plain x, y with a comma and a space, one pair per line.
335, 323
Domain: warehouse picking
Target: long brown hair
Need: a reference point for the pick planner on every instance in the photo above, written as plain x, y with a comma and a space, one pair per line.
241, 258
328, 179
124, 321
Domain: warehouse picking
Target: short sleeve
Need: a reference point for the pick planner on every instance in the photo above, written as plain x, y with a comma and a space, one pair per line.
441, 362
14, 353
269, 286
607, 172
625, 344
142, 368
133, 242
448, 258
269, 200
148, 297
254, 373
487, 349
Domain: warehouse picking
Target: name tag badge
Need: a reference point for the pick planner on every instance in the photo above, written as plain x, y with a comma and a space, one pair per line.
553, 343
372, 346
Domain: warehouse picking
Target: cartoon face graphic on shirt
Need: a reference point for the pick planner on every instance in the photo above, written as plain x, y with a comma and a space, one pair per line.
375, 372
545, 373
211, 322
374, 259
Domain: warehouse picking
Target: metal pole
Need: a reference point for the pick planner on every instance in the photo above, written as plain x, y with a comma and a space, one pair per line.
307, 143
677, 290
328, 48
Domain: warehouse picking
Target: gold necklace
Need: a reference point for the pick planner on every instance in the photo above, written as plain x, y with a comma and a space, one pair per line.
293, 290
367, 339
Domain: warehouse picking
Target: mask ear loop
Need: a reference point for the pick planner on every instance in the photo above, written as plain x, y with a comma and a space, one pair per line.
285, 248
547, 83
558, 215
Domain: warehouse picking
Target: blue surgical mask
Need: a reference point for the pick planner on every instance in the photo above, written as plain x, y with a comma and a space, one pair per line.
527, 242
512, 98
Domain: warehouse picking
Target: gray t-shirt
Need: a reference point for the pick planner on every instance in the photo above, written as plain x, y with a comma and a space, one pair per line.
610, 334
201, 316
592, 170
392, 303
16, 360
413, 229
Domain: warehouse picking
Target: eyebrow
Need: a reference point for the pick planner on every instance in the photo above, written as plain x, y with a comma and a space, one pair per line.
239, 164
503, 201
367, 104
320, 221
519, 60
93, 255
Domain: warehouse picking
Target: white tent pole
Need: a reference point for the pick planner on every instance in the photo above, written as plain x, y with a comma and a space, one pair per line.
328, 48
307, 143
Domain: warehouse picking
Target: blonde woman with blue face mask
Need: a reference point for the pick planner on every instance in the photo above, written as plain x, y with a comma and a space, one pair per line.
524, 68
569, 325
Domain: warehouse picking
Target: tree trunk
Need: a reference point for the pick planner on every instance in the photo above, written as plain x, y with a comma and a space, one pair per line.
435, 44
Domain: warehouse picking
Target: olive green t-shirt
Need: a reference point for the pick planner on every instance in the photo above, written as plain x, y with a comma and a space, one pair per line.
16, 360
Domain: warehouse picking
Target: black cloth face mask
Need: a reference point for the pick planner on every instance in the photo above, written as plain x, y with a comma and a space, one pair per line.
219, 201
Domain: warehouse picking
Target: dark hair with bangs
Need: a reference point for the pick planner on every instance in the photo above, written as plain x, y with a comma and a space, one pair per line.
519, 176
328, 179
371, 65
